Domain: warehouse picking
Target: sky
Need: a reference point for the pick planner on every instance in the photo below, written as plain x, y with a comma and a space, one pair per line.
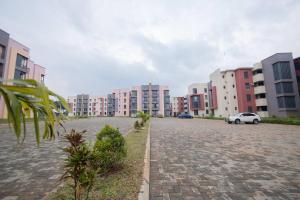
95, 46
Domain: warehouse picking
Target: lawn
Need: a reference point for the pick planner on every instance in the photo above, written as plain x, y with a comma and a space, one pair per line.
281, 120
122, 184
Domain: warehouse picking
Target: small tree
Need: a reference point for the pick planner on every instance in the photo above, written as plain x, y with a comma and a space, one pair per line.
79, 165
144, 116
109, 148
137, 125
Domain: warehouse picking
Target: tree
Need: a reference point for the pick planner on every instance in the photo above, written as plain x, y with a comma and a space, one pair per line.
24, 98
145, 117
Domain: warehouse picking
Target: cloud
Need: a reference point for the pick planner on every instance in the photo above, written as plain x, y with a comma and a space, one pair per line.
95, 46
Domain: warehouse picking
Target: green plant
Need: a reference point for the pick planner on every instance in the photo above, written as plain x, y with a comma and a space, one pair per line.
79, 165
24, 98
109, 148
137, 125
144, 116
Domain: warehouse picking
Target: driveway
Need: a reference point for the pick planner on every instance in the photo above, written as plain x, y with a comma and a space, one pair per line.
209, 159
29, 172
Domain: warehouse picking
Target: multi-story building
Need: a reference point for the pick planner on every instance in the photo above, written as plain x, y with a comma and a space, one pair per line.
177, 106
151, 99
85, 105
297, 69
198, 99
111, 105
275, 86
15, 63
122, 102
231, 92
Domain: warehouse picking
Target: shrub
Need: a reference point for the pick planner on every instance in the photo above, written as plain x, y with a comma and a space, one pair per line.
137, 125
79, 165
109, 148
142, 124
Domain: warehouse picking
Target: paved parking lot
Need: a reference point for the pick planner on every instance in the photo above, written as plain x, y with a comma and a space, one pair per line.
28, 172
209, 159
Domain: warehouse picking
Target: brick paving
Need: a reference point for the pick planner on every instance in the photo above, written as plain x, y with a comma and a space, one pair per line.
28, 172
209, 159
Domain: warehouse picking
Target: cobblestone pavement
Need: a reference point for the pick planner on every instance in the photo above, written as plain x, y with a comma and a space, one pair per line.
209, 159
29, 172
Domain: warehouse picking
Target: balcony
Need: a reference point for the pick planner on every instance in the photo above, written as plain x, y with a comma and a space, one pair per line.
261, 102
259, 89
258, 77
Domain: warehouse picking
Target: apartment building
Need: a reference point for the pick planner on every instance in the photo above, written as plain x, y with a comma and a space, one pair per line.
177, 106
86, 105
122, 102
15, 63
275, 86
231, 92
151, 99
297, 69
198, 99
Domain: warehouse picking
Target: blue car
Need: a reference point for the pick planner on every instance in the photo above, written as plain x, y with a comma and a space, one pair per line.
185, 116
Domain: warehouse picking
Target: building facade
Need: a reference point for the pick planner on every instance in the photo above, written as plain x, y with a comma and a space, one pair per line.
122, 102
15, 63
276, 87
151, 99
297, 69
198, 99
177, 106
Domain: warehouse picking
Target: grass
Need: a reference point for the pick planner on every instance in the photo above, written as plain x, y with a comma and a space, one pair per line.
281, 120
123, 184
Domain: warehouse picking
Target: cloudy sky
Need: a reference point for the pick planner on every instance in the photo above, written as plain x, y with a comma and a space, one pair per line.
94, 46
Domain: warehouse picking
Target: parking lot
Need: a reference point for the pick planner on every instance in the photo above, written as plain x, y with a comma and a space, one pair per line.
210, 159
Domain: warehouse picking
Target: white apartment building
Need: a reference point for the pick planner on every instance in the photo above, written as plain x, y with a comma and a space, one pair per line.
198, 99
225, 84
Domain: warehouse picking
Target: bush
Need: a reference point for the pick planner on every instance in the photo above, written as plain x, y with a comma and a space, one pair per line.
137, 125
79, 165
109, 148
142, 124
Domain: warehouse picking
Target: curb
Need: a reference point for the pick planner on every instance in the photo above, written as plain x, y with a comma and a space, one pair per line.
144, 190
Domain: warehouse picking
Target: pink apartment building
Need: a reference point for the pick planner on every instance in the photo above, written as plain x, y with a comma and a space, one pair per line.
122, 102
17, 65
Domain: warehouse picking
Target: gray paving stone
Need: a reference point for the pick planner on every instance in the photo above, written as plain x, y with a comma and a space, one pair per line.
209, 159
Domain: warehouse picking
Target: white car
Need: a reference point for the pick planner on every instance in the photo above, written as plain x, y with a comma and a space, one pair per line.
244, 117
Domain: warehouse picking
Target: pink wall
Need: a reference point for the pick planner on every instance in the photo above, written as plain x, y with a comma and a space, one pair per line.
123, 99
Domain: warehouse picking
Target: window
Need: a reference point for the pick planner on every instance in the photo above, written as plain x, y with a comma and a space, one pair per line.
42, 78
2, 51
224, 87
1, 70
194, 90
223, 76
233, 86
225, 97
226, 108
282, 70
195, 101
206, 104
234, 97
232, 75
124, 94
250, 110
124, 112
286, 102
284, 87
206, 111
124, 106
248, 97
247, 86
19, 74
205, 90
235, 108
21, 61
195, 112
246, 75
205, 97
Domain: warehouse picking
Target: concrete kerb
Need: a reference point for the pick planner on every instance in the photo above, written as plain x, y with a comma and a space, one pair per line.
144, 190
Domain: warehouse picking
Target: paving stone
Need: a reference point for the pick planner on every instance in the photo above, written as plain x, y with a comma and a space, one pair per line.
209, 159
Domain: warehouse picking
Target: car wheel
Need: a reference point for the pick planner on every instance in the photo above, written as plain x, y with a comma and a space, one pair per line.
237, 121
255, 121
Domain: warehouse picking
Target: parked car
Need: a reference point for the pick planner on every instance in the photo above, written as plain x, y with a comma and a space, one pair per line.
244, 117
185, 116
